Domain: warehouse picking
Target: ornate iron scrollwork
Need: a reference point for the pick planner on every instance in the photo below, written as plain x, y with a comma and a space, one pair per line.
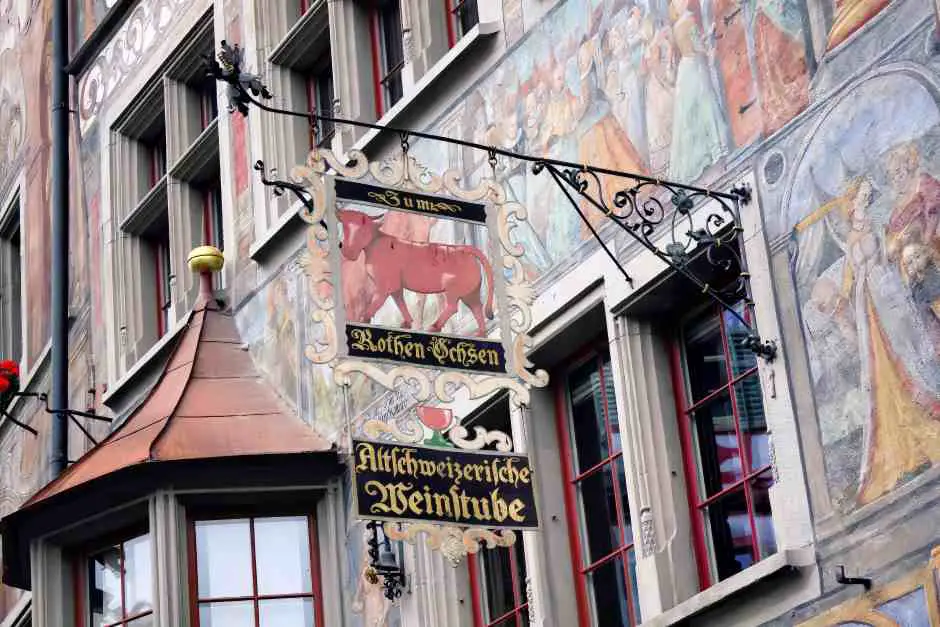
700, 220
383, 562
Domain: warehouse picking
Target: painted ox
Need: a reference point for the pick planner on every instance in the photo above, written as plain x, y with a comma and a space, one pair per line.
396, 265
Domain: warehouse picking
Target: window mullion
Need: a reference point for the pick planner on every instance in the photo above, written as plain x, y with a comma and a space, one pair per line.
254, 571
123, 584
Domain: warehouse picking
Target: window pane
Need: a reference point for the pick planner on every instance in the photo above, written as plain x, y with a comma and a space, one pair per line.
234, 614
742, 358
602, 531
282, 551
138, 576
717, 445
609, 595
634, 590
763, 521
705, 357
286, 613
391, 35
223, 556
752, 424
587, 416
624, 501
105, 587
143, 621
729, 530
612, 416
497, 582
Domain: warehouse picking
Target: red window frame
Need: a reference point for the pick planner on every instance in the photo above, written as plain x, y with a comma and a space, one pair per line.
323, 133
81, 584
520, 603
453, 10
161, 262
380, 72
571, 479
698, 502
156, 153
212, 216
208, 104
315, 593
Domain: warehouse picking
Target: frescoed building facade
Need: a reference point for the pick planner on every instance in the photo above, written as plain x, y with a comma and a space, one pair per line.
681, 479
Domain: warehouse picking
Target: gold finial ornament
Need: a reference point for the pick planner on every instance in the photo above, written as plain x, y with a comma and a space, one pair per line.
205, 259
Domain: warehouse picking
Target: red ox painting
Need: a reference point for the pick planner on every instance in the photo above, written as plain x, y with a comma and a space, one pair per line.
456, 271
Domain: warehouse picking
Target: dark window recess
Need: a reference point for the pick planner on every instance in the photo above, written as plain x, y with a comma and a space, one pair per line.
596, 496
120, 585
156, 156
389, 53
212, 216
320, 97
464, 15
726, 447
208, 103
498, 576
160, 247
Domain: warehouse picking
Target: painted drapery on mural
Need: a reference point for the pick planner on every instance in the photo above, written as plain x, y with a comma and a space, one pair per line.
866, 262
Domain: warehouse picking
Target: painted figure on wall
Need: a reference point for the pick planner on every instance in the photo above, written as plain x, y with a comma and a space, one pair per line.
732, 44
780, 53
699, 132
866, 275
850, 16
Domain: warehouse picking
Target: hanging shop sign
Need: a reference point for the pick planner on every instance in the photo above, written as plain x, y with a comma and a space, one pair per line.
428, 484
429, 292
420, 294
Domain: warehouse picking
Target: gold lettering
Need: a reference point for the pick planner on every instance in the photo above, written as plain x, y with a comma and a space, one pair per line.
366, 457
388, 197
515, 510
500, 509
442, 505
414, 502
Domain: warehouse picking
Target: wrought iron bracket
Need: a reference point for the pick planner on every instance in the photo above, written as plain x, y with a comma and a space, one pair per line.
73, 415
640, 208
393, 577
281, 186
841, 578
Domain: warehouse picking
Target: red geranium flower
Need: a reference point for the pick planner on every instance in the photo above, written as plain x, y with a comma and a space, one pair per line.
10, 366
4, 384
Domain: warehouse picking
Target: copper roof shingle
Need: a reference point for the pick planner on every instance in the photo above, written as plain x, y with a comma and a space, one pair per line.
210, 402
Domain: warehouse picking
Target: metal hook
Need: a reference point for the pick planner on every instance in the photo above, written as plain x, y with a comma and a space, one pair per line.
405, 146
841, 578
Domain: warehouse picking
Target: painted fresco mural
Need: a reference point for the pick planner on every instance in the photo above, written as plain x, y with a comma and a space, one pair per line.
866, 262
86, 16
673, 89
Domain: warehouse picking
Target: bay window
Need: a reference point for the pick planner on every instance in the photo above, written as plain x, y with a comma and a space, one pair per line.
255, 572
725, 445
597, 507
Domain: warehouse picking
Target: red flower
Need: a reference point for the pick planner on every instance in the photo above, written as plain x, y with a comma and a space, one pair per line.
434, 418
10, 367
4, 384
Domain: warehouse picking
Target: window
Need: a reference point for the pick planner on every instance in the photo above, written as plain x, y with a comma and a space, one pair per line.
320, 99
255, 572
725, 445
596, 495
11, 290
159, 244
166, 163
212, 215
120, 585
498, 581
498, 576
388, 55
462, 16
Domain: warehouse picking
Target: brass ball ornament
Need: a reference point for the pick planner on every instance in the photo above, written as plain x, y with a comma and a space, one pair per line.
205, 259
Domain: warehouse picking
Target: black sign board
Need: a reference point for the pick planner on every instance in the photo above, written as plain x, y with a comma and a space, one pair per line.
400, 482
425, 349
403, 200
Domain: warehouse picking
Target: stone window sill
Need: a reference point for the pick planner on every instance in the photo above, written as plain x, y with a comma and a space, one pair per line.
721, 591
143, 365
